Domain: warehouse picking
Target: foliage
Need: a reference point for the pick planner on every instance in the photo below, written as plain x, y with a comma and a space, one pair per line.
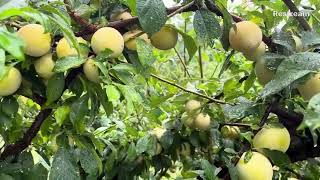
104, 130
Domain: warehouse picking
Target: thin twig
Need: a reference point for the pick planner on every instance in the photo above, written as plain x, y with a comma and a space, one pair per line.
182, 62
181, 9
184, 46
268, 110
293, 8
188, 91
236, 124
200, 63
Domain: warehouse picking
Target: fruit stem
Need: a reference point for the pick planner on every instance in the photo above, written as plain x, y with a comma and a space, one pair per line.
182, 62
200, 63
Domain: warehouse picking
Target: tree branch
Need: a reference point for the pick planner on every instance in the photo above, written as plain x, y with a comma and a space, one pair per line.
89, 28
19, 146
268, 110
293, 8
22, 144
188, 91
181, 9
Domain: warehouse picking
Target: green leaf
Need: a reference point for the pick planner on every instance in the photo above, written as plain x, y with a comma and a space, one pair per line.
248, 155
310, 39
233, 172
64, 27
152, 15
90, 161
145, 144
56, 13
79, 109
250, 81
64, 166
166, 140
291, 69
124, 67
6, 177
55, 88
286, 42
210, 171
85, 10
68, 62
132, 6
145, 53
26, 13
227, 24
231, 88
132, 153
11, 43
278, 158
9, 105
130, 93
112, 93
61, 114
312, 115
107, 105
189, 43
206, 26
244, 108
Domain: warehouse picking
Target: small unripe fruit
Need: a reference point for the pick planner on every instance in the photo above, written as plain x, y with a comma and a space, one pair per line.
158, 132
272, 138
298, 43
158, 148
11, 82
264, 75
257, 53
292, 178
36, 40
193, 107
202, 121
310, 88
245, 37
107, 38
44, 66
120, 16
130, 39
91, 71
165, 39
257, 168
187, 120
231, 132
65, 49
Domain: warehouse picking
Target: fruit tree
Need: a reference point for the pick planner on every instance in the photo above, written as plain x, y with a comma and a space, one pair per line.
159, 89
